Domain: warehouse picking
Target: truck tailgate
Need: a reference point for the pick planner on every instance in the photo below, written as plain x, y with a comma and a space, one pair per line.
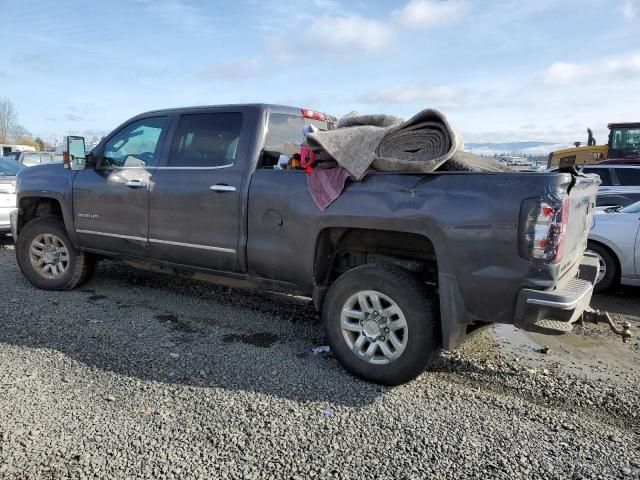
582, 197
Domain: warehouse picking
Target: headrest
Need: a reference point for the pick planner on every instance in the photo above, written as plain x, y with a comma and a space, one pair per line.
210, 144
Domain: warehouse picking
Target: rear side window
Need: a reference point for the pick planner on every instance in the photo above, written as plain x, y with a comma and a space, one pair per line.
206, 140
284, 133
604, 173
629, 176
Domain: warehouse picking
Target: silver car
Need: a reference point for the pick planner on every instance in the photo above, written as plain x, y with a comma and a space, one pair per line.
9, 168
615, 239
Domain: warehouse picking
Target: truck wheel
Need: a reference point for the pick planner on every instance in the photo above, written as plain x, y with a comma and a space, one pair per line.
608, 271
380, 324
48, 258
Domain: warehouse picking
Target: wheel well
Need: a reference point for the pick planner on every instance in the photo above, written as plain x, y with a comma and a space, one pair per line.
613, 254
33, 207
341, 249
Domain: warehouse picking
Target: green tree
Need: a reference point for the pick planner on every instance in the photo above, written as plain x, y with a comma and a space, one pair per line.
40, 144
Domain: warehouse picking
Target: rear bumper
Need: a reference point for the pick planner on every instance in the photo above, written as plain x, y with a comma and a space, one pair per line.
560, 308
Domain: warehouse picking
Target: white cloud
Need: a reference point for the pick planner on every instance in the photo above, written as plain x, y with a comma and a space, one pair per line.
429, 13
623, 67
442, 96
561, 73
343, 33
618, 68
629, 10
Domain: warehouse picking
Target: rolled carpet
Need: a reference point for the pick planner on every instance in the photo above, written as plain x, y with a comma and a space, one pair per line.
421, 144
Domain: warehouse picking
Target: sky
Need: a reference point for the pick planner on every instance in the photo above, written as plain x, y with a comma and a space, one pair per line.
500, 70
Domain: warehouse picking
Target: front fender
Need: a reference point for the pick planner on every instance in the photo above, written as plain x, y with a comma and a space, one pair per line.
52, 182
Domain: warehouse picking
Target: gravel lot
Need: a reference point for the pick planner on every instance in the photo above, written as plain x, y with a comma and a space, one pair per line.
149, 376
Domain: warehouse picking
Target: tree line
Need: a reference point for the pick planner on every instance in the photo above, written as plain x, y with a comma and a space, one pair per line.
11, 131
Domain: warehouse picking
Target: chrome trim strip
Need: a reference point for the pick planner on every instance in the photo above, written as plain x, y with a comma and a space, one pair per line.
192, 245
161, 242
113, 235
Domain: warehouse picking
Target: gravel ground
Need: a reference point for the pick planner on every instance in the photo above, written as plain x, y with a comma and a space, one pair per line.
148, 376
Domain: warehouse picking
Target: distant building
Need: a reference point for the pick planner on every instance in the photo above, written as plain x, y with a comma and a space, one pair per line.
6, 148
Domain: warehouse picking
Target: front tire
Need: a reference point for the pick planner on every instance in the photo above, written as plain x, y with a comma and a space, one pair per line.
380, 323
47, 258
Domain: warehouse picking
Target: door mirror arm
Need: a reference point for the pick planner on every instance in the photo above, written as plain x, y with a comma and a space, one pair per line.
91, 160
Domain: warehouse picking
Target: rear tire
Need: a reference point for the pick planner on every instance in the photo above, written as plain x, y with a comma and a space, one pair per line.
380, 323
47, 258
608, 275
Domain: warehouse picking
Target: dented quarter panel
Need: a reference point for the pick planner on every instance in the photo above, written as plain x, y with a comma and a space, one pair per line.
471, 219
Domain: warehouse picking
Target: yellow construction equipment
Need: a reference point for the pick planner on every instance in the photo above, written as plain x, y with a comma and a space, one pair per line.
624, 142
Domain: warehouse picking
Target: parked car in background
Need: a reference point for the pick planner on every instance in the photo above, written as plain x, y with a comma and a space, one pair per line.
30, 159
615, 239
9, 168
620, 182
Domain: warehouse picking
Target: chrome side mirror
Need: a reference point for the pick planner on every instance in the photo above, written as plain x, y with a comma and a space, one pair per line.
74, 154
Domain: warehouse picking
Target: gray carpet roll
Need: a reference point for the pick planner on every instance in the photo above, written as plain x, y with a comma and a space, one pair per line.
421, 144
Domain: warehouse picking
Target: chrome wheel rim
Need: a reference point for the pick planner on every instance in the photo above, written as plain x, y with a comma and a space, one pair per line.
602, 268
49, 255
374, 327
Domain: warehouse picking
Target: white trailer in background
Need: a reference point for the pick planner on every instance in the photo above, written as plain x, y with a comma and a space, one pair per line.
6, 148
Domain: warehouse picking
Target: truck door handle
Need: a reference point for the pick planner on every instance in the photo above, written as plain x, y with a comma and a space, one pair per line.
135, 184
221, 187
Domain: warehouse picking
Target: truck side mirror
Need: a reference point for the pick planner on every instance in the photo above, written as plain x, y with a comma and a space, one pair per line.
74, 154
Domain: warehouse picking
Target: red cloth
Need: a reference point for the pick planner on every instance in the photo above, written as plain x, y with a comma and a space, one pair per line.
326, 183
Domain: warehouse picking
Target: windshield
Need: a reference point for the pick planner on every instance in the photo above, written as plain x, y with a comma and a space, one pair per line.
9, 167
626, 138
633, 208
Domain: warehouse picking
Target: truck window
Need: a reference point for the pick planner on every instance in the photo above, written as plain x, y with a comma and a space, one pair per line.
604, 173
135, 145
30, 159
629, 176
206, 140
284, 133
626, 138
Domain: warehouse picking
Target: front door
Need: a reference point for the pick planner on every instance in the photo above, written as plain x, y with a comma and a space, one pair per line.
111, 201
195, 202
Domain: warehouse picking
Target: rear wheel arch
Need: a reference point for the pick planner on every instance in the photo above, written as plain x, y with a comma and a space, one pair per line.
340, 249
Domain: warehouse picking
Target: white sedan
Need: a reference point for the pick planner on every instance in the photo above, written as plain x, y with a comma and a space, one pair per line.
615, 239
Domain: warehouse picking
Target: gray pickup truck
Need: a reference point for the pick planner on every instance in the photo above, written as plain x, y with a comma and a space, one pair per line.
400, 265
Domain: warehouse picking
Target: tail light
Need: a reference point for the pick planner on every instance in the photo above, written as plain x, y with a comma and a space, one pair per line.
543, 227
306, 113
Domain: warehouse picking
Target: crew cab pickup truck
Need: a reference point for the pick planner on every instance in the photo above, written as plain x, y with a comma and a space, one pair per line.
401, 265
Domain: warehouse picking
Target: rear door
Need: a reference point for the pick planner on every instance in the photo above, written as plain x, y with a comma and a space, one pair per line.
110, 201
196, 199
